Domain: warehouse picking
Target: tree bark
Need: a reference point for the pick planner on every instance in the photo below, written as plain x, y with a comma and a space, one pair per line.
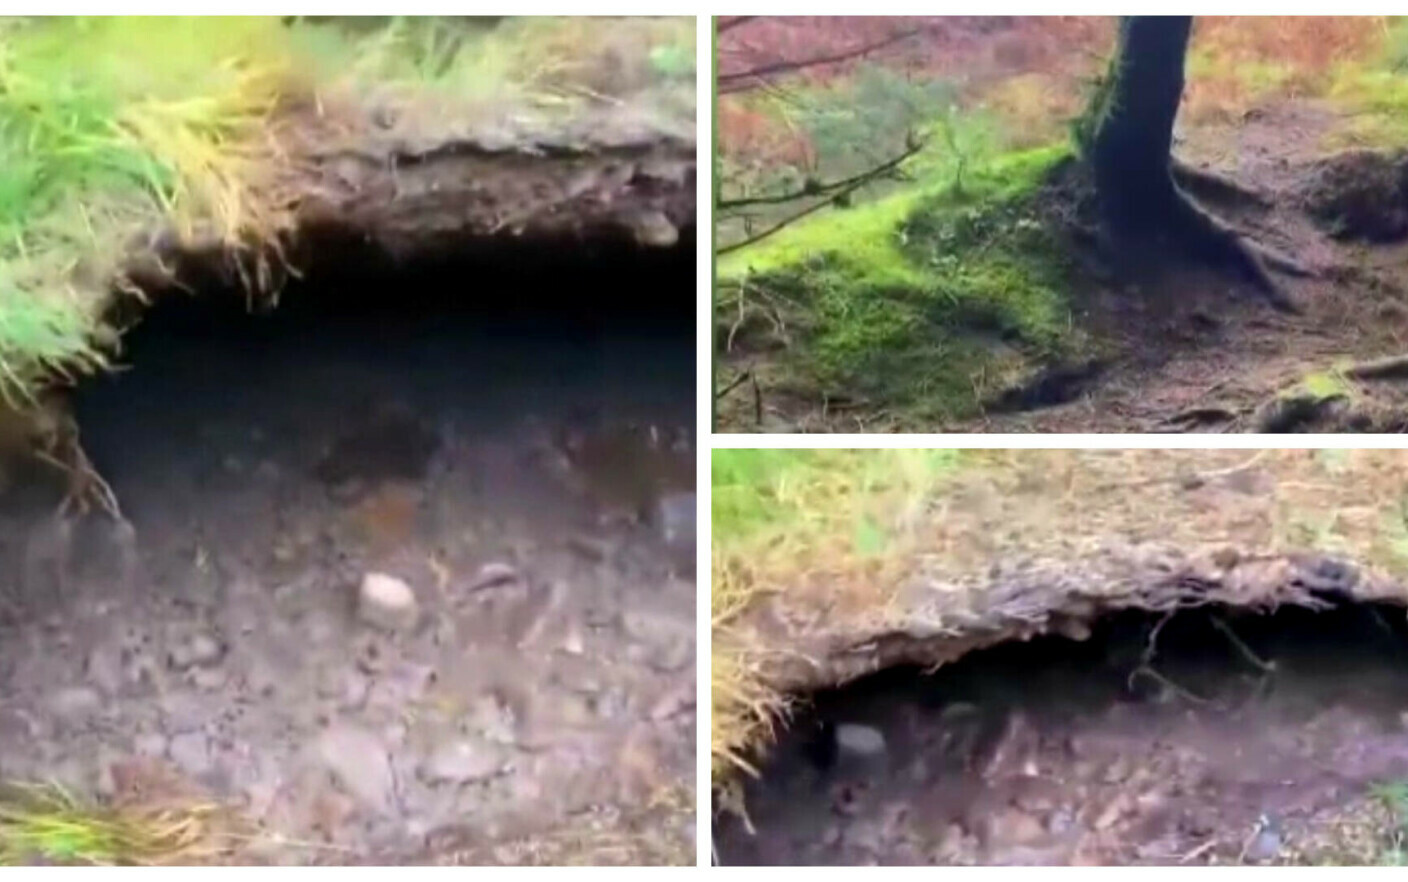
1128, 138
1132, 145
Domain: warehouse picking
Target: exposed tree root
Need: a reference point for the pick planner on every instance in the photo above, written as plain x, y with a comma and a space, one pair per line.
1211, 185
1286, 413
1222, 245
1394, 367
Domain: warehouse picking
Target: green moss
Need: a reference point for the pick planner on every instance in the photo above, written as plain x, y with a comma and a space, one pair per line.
1321, 385
924, 300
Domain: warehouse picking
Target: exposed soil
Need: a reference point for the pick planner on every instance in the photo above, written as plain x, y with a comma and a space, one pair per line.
1197, 350
512, 435
1211, 736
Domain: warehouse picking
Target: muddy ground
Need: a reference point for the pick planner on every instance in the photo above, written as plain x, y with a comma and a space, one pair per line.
513, 439
1209, 737
1197, 350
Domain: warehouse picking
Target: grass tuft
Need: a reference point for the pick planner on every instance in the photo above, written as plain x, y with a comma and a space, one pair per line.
45, 824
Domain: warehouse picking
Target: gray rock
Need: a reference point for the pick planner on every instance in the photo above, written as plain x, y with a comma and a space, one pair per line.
866, 742
1266, 844
461, 762
494, 574
75, 703
150, 744
675, 519
104, 669
358, 761
387, 602
201, 650
191, 752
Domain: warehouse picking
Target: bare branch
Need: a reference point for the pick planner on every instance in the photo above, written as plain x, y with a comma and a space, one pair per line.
723, 25
818, 189
743, 80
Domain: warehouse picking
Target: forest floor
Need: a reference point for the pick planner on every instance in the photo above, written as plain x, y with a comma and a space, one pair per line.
1018, 657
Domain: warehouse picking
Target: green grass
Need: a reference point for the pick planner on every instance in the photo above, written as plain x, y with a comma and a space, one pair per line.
926, 299
1393, 795
112, 128
46, 824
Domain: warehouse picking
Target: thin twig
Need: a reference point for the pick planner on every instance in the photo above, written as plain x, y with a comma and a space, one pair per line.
734, 384
741, 80
914, 147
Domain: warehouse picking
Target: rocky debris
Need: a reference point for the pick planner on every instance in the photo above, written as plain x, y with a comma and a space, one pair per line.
387, 602
358, 761
200, 650
461, 762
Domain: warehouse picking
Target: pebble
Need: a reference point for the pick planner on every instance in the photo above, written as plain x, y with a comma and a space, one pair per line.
1016, 827
104, 668
675, 514
208, 679
494, 574
202, 650
461, 762
387, 602
673, 703
75, 703
150, 744
1266, 844
191, 752
358, 761
863, 741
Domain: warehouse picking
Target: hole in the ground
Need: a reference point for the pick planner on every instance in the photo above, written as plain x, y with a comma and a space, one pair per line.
508, 431
1241, 737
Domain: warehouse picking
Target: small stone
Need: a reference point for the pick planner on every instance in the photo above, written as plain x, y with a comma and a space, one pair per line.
674, 702
653, 229
150, 744
494, 574
675, 517
1266, 844
460, 763
75, 703
1015, 827
358, 760
862, 741
387, 602
104, 668
208, 679
203, 650
573, 643
191, 752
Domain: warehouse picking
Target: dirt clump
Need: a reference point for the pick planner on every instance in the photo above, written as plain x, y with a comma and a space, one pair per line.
1360, 194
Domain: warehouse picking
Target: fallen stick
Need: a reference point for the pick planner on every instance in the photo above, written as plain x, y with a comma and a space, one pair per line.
1394, 367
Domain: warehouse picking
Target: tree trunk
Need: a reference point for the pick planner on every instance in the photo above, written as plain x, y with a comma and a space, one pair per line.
1128, 137
1131, 148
